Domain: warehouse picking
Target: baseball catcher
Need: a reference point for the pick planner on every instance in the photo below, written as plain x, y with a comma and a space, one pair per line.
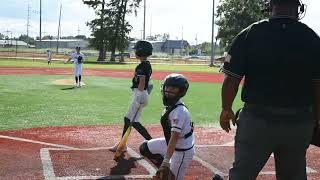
174, 152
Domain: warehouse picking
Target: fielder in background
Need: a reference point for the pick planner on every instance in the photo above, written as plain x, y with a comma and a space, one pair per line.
174, 152
140, 95
78, 59
279, 61
49, 56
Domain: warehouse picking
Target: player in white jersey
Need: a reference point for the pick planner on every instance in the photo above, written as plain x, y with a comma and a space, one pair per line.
78, 59
49, 56
175, 151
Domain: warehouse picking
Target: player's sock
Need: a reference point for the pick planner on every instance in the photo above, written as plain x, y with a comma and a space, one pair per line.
79, 79
76, 78
126, 125
142, 130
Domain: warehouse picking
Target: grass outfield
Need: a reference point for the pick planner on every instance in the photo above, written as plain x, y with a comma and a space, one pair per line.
43, 63
34, 101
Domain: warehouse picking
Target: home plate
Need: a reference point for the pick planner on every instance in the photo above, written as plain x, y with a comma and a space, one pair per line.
93, 163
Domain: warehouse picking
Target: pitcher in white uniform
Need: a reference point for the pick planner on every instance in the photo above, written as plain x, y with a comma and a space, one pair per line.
175, 151
78, 59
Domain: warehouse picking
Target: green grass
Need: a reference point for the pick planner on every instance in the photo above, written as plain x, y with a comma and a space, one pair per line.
43, 63
34, 101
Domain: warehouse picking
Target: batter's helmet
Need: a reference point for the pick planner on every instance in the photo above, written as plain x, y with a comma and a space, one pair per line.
143, 49
178, 81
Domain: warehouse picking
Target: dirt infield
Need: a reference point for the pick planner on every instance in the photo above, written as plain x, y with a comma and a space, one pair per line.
81, 152
193, 77
75, 152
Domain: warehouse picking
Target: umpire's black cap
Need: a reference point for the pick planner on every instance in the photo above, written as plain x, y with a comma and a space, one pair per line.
279, 2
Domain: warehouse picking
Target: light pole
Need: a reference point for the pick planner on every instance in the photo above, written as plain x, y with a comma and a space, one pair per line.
40, 23
212, 37
144, 20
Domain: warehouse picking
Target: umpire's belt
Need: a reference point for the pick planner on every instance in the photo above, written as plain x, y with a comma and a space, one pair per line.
178, 149
273, 110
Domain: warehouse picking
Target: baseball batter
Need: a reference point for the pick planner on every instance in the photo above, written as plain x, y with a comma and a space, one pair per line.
78, 59
140, 95
175, 150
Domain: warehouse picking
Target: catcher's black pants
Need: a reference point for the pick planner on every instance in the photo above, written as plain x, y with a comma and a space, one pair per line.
262, 131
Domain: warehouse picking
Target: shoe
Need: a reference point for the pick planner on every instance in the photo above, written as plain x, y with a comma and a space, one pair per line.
115, 147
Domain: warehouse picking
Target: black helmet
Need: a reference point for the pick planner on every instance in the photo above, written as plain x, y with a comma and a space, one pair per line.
178, 81
143, 48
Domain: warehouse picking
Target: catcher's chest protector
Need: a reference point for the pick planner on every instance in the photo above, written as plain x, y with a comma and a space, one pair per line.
166, 124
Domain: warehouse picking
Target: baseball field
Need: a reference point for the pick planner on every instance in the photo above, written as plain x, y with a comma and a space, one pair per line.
51, 130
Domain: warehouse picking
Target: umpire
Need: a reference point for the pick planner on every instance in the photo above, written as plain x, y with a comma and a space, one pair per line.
279, 61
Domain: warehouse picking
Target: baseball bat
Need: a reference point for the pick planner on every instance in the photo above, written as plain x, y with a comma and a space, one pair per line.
122, 144
124, 139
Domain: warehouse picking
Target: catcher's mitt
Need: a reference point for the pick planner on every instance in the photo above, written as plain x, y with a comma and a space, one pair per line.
164, 173
79, 59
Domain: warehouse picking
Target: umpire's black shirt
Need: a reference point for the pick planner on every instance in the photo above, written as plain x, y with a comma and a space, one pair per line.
143, 69
279, 58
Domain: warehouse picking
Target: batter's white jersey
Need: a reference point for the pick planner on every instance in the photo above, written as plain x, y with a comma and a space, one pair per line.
180, 160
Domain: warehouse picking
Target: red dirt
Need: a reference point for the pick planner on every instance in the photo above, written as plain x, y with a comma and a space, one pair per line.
193, 77
22, 158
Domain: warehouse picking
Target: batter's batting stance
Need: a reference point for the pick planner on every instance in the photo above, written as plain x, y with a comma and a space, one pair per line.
176, 150
140, 95
78, 59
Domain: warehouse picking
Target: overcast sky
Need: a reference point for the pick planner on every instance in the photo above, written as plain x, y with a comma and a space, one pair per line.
180, 18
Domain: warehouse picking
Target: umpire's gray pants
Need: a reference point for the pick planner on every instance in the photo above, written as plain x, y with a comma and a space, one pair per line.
262, 132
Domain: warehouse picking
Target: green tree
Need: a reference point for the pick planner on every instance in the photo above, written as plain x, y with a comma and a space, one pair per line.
99, 27
158, 37
81, 37
121, 28
110, 29
1, 36
47, 37
235, 15
27, 39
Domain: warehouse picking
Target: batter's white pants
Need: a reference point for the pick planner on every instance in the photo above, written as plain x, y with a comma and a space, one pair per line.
139, 101
78, 69
179, 161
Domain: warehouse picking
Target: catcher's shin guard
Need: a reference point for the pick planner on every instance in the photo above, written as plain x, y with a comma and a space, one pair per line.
156, 159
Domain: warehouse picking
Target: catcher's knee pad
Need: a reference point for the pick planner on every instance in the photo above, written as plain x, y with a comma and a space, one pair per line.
155, 158
144, 150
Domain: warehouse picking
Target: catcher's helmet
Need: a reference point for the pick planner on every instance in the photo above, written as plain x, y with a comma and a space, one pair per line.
174, 80
143, 48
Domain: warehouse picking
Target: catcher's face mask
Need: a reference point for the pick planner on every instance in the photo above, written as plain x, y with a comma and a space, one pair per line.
175, 86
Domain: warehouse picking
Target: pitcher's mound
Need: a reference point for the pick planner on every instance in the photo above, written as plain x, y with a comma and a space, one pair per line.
67, 82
